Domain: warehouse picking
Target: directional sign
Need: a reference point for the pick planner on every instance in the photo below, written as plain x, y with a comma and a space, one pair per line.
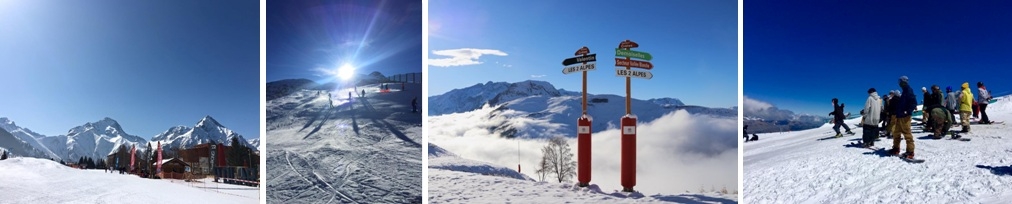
582, 51
581, 59
621, 72
633, 63
634, 54
579, 68
628, 44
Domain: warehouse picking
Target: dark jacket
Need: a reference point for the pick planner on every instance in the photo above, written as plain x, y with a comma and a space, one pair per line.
837, 112
906, 104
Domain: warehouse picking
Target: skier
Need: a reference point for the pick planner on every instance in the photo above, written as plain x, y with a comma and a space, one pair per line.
902, 111
838, 118
983, 98
870, 118
363, 92
965, 106
414, 104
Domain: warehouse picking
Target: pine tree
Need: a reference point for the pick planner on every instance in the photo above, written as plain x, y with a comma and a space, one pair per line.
4, 156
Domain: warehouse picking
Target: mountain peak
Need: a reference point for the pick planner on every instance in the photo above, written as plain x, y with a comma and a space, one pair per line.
7, 121
208, 121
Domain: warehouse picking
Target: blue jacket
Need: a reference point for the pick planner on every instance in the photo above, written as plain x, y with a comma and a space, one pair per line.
907, 103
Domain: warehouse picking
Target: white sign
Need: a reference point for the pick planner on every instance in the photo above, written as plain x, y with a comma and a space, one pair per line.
628, 130
583, 130
579, 68
622, 72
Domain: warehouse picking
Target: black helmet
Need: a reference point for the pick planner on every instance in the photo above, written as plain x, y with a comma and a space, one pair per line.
980, 84
835, 100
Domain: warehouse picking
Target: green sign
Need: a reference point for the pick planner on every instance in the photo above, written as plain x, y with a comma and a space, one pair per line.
634, 54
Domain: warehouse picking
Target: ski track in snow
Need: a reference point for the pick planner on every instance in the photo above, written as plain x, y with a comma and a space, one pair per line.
798, 167
335, 150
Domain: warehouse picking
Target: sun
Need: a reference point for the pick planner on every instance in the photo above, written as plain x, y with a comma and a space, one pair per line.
345, 72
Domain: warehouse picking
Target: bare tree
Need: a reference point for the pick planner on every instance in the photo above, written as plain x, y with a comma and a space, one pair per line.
545, 167
563, 164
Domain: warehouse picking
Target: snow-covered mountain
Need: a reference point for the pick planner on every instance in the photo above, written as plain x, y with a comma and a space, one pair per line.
255, 143
94, 139
763, 117
23, 136
537, 109
206, 130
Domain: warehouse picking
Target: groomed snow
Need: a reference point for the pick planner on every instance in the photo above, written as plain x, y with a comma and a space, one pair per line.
32, 180
798, 167
324, 148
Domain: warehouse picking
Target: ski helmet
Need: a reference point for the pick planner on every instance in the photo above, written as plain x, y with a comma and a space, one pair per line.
948, 89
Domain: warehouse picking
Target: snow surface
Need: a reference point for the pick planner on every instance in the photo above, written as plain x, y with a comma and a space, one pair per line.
800, 167
326, 148
33, 180
453, 179
677, 152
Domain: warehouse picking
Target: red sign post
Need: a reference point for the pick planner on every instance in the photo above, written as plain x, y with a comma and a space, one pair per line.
583, 127
628, 169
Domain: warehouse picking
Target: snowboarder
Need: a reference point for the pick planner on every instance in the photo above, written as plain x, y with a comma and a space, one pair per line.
870, 118
414, 104
965, 106
838, 117
363, 93
887, 117
903, 108
983, 98
925, 97
744, 133
932, 100
951, 102
754, 137
940, 121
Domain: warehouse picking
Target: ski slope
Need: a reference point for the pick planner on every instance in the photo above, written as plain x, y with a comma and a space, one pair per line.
453, 179
798, 167
325, 148
33, 180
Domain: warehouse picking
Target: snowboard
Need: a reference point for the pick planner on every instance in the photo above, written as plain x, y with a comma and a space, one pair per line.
915, 161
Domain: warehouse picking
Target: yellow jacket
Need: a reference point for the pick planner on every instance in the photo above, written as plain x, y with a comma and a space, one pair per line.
966, 98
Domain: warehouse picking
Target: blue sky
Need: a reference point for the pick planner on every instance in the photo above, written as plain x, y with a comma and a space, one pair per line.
306, 38
150, 65
800, 54
694, 45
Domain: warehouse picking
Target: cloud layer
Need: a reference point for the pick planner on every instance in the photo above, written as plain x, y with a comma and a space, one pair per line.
462, 56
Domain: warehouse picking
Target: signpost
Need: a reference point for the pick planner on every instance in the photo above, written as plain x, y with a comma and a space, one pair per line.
628, 121
583, 127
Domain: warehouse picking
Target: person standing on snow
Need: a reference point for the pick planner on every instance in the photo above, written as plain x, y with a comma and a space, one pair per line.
983, 98
414, 104
838, 118
870, 119
965, 106
931, 100
951, 102
925, 97
904, 108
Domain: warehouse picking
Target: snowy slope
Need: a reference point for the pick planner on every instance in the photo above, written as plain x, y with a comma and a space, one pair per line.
453, 179
324, 147
32, 180
798, 167
532, 109
21, 135
94, 139
205, 131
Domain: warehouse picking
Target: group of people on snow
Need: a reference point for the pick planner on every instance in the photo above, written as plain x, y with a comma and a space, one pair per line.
894, 112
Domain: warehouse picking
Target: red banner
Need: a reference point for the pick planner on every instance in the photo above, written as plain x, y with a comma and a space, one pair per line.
133, 150
158, 165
